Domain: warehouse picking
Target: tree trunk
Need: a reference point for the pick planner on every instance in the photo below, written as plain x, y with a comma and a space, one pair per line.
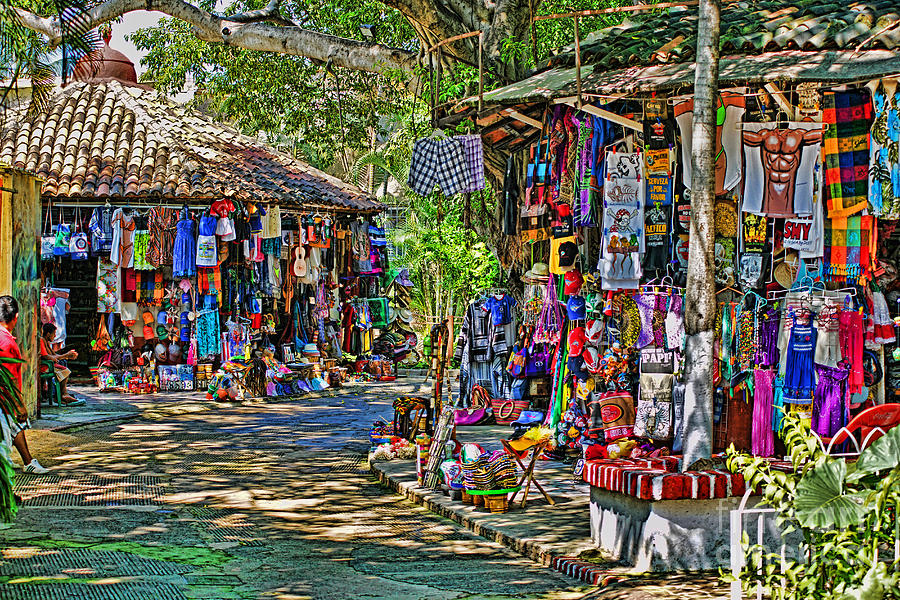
700, 315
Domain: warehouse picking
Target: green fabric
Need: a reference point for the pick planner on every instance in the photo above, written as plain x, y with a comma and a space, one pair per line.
8, 508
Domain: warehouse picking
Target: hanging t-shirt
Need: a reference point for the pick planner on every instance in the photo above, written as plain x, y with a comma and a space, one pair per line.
623, 234
884, 151
271, 222
730, 108
624, 165
779, 168
107, 286
501, 309
656, 236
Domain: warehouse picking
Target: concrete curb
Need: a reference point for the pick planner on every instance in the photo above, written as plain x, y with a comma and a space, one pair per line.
533, 549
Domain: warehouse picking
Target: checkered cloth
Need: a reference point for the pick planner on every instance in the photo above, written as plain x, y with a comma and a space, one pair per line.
441, 162
209, 281
846, 152
475, 157
849, 248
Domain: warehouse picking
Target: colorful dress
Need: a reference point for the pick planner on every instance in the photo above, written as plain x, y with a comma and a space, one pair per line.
185, 252
107, 286
800, 377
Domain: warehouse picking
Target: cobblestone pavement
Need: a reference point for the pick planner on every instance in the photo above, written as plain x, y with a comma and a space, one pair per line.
272, 500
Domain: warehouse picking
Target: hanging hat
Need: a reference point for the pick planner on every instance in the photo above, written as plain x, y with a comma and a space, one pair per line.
575, 308
583, 388
161, 317
568, 252
160, 351
574, 281
786, 271
161, 331
185, 285
403, 278
576, 341
576, 367
406, 315
538, 271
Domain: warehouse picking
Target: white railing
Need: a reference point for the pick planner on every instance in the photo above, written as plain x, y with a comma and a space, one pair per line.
765, 519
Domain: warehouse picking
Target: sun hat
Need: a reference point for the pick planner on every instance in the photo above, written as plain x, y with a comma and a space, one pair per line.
538, 271
406, 315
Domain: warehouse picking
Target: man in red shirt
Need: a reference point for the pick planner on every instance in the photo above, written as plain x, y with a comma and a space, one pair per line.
18, 423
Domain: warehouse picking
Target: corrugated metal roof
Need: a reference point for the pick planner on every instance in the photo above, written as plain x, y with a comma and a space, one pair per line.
113, 140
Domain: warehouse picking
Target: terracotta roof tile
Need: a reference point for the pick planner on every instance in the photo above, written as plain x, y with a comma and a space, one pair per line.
751, 27
110, 139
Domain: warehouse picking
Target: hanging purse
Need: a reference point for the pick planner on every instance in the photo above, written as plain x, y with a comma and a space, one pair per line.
516, 364
78, 244
550, 320
537, 363
48, 240
62, 238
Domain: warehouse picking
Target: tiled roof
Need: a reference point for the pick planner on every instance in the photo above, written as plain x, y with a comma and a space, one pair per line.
113, 140
747, 27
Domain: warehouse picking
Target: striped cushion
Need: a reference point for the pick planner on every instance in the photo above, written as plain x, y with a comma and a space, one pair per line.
659, 479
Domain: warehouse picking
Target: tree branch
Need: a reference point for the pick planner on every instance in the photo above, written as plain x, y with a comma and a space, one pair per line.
343, 52
269, 13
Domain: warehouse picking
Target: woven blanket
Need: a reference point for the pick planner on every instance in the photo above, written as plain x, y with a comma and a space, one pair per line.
846, 152
849, 248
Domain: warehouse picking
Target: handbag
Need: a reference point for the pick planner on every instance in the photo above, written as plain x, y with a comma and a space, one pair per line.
480, 411
537, 363
517, 360
48, 240
78, 244
63, 237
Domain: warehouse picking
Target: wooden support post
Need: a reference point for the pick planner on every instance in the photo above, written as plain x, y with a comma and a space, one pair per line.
578, 102
480, 71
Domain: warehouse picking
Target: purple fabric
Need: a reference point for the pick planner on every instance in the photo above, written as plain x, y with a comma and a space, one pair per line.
767, 341
762, 442
645, 304
474, 152
659, 325
829, 412
799, 373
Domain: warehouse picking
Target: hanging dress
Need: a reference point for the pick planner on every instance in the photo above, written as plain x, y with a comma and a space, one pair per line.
799, 375
206, 242
184, 249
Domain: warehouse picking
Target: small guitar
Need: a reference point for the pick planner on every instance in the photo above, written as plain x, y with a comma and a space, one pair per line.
299, 267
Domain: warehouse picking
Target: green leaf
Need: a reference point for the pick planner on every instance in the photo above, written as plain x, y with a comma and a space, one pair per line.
882, 455
821, 501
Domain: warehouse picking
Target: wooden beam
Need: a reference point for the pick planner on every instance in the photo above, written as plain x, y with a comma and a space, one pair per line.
455, 38
780, 100
617, 9
599, 112
523, 119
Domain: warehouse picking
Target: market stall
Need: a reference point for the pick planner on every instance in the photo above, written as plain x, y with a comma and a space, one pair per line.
598, 189
177, 254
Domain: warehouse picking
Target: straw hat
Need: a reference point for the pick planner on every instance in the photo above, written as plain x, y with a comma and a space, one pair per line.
786, 271
539, 271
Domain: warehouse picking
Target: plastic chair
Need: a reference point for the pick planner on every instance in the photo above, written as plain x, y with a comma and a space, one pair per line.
50, 386
870, 424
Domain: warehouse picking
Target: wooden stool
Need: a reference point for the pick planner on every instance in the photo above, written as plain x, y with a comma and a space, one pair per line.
528, 472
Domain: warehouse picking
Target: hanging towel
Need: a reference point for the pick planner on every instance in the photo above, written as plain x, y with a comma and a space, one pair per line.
846, 151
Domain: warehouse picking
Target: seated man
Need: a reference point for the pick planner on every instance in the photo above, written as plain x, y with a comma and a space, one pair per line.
48, 333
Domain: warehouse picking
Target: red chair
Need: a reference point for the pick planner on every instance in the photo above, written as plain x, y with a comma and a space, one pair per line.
871, 424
